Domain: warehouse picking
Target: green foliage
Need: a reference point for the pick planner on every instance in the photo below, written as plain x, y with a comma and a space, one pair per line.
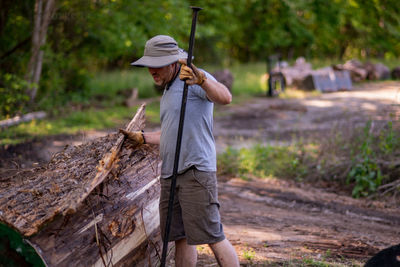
15, 33
264, 161
63, 81
90, 36
249, 254
389, 140
314, 263
109, 85
365, 171
13, 97
248, 79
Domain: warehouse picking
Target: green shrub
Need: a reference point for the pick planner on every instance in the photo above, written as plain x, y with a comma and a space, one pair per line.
13, 97
365, 171
389, 140
362, 159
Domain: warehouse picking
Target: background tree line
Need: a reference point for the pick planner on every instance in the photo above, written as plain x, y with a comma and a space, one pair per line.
85, 36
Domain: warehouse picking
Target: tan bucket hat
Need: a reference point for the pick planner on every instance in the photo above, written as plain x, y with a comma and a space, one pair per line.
160, 51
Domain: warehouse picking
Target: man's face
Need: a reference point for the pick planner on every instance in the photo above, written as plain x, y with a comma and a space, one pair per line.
162, 75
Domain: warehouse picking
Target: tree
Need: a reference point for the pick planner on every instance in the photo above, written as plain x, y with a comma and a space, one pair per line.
44, 10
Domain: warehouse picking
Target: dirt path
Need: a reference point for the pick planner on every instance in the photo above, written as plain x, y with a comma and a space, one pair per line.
278, 223
276, 120
275, 222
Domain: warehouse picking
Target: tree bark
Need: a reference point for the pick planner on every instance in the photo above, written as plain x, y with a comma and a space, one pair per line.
44, 10
92, 205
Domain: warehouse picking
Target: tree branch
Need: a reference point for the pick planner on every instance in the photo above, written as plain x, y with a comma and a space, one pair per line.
16, 47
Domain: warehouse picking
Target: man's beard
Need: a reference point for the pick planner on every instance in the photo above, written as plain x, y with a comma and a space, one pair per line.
159, 88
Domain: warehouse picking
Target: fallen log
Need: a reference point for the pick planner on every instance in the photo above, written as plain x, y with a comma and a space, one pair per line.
24, 118
357, 71
298, 71
377, 71
325, 80
92, 205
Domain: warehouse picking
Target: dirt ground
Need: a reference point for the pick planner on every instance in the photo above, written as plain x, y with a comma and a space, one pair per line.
276, 222
282, 223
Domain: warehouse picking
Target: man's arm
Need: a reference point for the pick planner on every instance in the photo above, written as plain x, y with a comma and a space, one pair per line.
138, 138
152, 137
217, 92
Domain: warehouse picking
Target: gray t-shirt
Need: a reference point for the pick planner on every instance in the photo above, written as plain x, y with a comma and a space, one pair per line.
198, 145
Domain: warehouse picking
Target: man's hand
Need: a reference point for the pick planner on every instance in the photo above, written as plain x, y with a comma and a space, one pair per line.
133, 139
191, 75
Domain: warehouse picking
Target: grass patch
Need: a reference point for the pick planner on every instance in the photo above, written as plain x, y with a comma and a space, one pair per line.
76, 122
362, 160
249, 254
266, 161
248, 79
309, 262
153, 112
108, 85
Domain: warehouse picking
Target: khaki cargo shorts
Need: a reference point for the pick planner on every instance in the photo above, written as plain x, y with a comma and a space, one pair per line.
196, 208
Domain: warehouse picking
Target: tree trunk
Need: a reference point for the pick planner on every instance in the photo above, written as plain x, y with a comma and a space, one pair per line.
44, 10
91, 205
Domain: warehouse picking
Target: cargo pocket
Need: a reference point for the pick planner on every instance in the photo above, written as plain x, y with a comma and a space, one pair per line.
209, 181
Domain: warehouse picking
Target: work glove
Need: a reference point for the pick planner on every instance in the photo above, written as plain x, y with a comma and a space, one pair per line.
133, 139
191, 75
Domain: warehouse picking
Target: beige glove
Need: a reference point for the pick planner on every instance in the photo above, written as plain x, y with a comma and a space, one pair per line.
191, 75
133, 139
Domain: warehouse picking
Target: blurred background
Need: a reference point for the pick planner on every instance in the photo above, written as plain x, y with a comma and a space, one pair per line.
60, 53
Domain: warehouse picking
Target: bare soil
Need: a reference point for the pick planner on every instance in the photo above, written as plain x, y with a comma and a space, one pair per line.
276, 222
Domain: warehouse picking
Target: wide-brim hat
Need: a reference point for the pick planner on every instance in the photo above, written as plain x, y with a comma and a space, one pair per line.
160, 51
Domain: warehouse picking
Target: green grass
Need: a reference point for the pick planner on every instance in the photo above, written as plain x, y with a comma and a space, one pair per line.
76, 122
266, 161
309, 262
102, 108
248, 79
249, 254
360, 160
108, 85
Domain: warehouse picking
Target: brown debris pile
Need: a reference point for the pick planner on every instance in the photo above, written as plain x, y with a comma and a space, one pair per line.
32, 197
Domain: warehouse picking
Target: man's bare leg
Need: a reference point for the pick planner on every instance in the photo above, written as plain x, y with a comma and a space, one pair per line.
185, 255
225, 254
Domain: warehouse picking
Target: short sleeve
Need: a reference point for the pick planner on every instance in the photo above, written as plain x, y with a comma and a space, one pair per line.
197, 90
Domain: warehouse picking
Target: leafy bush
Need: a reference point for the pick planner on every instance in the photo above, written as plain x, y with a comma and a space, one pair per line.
13, 97
64, 80
365, 172
370, 154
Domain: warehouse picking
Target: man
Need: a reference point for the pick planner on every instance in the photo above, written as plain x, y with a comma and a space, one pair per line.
196, 218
